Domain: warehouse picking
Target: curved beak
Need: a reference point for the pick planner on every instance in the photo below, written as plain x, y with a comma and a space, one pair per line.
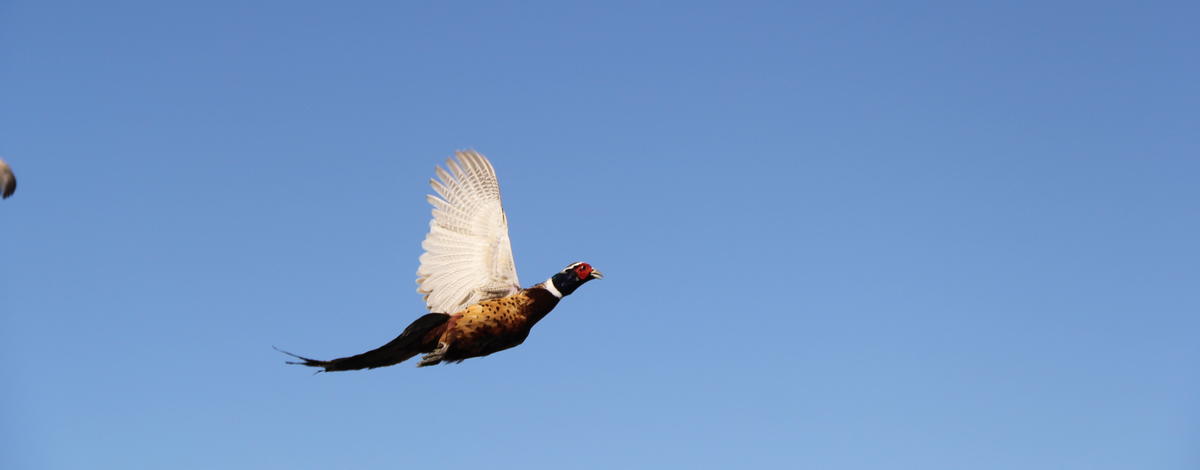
596, 274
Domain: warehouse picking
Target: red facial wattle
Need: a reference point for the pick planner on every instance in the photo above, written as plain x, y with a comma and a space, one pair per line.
582, 271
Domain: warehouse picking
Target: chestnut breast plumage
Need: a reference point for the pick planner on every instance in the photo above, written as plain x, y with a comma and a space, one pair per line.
495, 325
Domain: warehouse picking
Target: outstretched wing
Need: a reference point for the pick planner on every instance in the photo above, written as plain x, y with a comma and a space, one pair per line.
468, 257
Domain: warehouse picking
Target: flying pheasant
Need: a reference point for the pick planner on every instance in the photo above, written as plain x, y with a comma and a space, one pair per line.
8, 182
468, 278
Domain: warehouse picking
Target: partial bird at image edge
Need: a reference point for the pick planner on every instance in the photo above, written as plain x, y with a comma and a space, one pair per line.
8, 181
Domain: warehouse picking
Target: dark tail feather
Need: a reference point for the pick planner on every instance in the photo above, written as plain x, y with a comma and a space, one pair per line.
415, 339
307, 361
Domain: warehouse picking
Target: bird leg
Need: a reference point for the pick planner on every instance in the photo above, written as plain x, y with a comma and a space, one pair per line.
435, 356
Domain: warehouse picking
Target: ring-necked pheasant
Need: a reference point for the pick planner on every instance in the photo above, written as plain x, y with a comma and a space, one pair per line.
468, 277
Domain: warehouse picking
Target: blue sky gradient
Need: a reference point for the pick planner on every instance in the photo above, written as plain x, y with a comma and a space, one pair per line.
865, 235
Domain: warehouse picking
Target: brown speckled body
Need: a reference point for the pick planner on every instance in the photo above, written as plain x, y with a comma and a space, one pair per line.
494, 325
478, 330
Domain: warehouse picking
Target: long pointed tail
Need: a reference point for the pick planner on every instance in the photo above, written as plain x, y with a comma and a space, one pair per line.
418, 338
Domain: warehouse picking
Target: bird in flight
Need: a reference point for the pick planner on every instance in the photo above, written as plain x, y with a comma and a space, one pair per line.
8, 181
468, 278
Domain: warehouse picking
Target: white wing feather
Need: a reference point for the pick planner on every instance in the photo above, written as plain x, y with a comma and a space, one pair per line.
468, 257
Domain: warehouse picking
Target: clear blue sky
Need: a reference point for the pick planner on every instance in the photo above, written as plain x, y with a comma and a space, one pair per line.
871, 235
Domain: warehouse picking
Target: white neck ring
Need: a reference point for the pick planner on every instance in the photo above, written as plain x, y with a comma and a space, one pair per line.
549, 285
